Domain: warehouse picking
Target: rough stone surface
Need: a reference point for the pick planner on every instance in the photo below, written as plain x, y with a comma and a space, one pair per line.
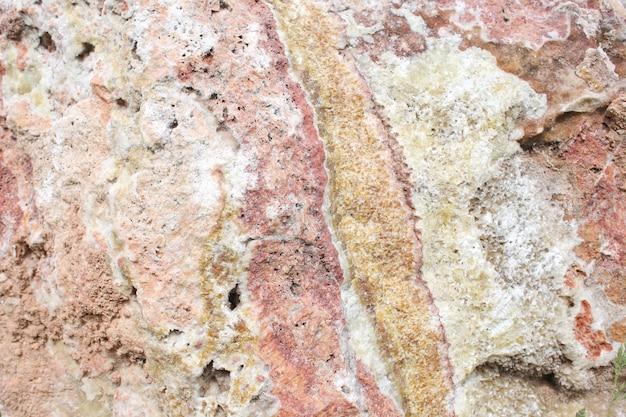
312, 207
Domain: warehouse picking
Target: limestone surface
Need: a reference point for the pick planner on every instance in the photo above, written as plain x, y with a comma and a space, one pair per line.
311, 207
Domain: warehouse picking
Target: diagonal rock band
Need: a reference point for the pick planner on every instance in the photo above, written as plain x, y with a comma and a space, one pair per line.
312, 208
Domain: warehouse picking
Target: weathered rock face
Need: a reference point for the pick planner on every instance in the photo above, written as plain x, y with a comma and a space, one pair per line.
311, 208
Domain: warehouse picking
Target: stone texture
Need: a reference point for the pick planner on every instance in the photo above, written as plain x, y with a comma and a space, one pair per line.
311, 208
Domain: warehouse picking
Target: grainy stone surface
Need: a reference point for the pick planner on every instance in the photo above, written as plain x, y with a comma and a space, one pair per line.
311, 208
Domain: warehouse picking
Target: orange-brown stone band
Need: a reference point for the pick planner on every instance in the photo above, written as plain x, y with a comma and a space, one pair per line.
367, 212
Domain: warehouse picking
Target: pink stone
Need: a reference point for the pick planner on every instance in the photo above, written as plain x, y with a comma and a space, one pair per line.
593, 341
528, 22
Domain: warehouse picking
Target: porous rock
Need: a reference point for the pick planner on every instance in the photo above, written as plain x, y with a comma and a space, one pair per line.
311, 208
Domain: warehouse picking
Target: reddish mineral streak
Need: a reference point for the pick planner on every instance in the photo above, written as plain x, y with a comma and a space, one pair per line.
294, 274
598, 160
377, 403
304, 156
527, 21
594, 341
594, 155
395, 35
296, 282
9, 202
300, 320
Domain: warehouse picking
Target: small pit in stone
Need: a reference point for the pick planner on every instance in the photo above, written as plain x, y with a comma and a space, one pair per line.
214, 381
133, 50
88, 48
46, 42
295, 288
207, 54
550, 379
234, 297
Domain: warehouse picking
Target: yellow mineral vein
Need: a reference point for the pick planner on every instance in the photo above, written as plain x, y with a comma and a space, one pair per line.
367, 212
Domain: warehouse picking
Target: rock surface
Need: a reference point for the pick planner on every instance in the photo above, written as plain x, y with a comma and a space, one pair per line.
311, 208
